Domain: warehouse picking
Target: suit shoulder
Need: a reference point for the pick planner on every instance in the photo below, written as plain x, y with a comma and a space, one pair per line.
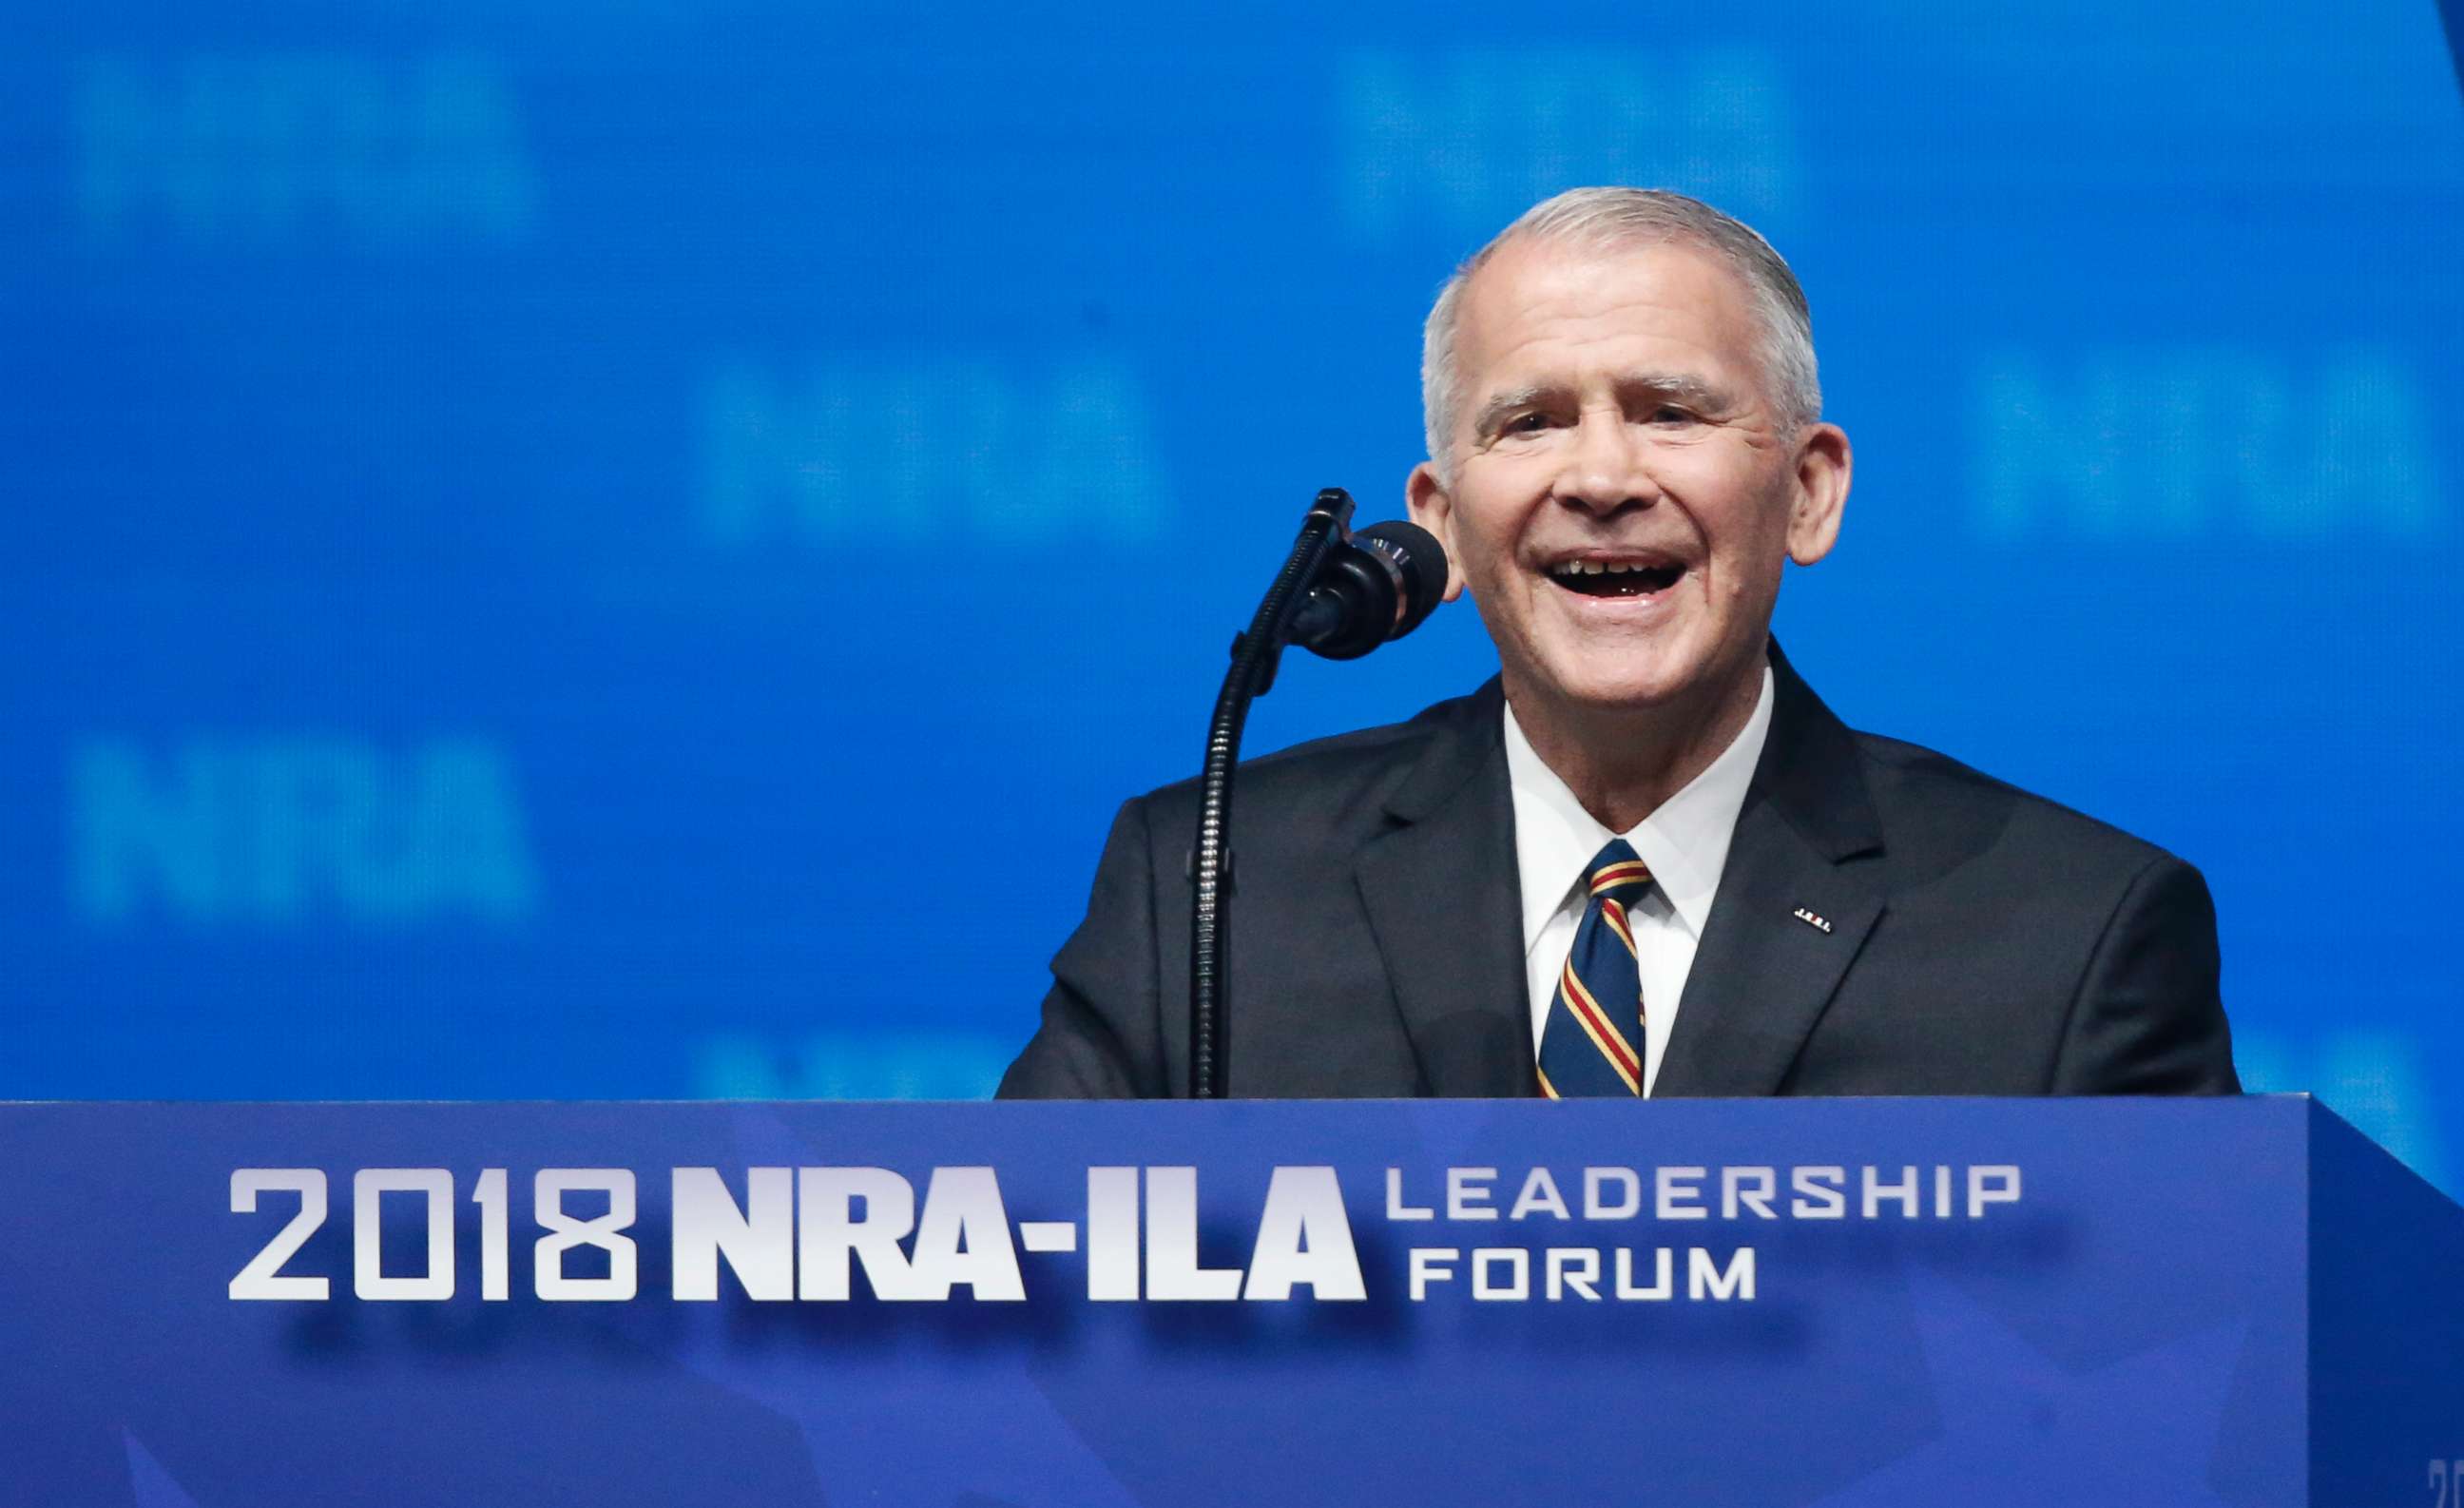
1926, 795
1331, 777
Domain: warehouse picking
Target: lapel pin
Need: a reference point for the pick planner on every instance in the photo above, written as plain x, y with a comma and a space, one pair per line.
1810, 919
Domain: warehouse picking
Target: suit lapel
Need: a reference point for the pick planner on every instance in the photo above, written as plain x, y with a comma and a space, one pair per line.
1445, 904
1806, 840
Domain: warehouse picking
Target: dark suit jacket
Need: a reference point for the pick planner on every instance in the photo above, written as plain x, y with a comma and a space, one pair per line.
1981, 941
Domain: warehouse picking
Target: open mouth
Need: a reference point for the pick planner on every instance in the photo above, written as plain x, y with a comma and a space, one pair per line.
1615, 578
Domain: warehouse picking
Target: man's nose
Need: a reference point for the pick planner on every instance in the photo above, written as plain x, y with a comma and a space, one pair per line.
1605, 469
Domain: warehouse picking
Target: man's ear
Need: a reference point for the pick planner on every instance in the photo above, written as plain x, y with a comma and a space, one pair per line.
1432, 507
1823, 464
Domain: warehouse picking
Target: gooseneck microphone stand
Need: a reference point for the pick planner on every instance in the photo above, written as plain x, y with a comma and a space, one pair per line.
1255, 654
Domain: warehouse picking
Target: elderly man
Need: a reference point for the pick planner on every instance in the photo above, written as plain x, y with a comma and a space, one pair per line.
1645, 859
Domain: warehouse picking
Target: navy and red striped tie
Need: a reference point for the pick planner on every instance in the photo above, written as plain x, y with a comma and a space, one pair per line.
1593, 1042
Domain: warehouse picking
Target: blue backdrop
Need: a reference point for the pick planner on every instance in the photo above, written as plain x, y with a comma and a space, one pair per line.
536, 533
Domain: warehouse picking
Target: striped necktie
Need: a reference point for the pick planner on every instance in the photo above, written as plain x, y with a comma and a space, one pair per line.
1593, 1042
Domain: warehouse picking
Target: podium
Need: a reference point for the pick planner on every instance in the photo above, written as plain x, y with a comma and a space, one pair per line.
1771, 1302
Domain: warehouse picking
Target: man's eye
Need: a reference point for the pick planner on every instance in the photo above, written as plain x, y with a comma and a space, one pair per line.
1526, 424
1670, 413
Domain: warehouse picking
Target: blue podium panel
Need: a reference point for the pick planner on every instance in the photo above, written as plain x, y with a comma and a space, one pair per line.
1785, 1303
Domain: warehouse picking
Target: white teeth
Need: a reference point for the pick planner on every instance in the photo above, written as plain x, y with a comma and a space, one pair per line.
1570, 569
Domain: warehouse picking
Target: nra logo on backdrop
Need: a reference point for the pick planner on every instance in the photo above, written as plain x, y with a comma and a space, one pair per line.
865, 450
2180, 443
255, 148
266, 831
1467, 140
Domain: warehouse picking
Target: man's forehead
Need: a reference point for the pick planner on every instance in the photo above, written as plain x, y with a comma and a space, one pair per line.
1527, 280
1533, 294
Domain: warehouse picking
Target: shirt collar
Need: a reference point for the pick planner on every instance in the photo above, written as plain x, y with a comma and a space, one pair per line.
1684, 842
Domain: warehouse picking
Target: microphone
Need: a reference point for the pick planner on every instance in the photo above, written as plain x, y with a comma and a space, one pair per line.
1341, 594
1371, 587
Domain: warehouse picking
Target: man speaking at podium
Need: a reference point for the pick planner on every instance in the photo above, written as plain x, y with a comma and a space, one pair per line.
1645, 859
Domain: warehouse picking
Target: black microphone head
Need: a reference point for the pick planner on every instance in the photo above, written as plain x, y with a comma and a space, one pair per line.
1420, 559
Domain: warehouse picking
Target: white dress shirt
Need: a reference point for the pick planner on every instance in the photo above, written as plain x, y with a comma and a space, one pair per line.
1684, 844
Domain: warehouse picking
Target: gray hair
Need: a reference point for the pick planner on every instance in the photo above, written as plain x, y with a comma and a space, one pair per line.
1610, 219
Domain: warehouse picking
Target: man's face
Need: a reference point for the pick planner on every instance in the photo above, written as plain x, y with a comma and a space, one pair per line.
1625, 489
